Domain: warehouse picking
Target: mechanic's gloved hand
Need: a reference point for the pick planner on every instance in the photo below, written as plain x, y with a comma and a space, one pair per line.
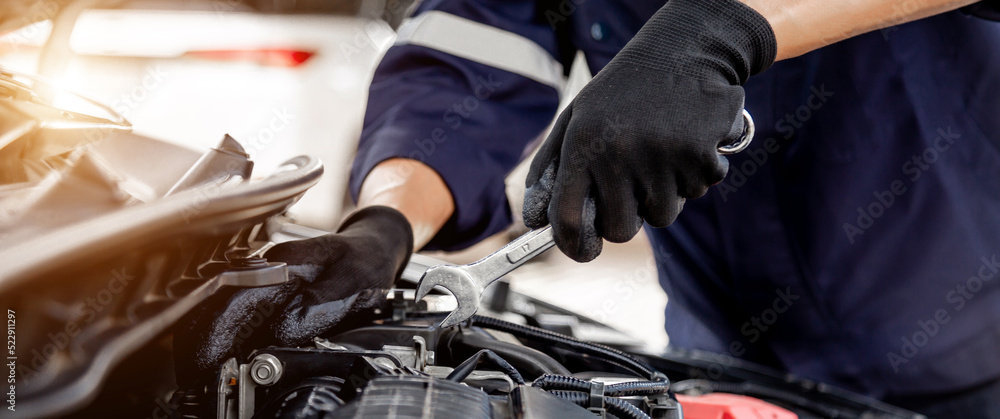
369, 251
643, 136
329, 276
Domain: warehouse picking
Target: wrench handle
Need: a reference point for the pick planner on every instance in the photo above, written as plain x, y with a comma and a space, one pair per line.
511, 256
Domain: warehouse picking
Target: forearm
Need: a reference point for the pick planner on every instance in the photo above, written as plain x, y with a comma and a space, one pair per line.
415, 190
801, 26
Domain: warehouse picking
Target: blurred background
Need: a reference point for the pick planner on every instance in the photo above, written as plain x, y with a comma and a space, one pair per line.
286, 78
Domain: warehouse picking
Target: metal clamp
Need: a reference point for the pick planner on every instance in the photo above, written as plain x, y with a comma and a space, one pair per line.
597, 398
745, 138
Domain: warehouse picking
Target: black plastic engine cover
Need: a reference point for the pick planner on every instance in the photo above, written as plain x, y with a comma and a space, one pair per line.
417, 397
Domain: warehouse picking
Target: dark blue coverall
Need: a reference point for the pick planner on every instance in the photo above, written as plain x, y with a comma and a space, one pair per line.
857, 240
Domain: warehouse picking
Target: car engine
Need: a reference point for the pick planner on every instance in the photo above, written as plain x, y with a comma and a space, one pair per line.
112, 241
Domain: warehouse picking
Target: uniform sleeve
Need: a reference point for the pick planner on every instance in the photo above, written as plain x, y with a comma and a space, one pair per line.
985, 9
465, 89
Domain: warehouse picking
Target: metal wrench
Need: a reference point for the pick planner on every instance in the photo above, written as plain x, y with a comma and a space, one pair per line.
467, 282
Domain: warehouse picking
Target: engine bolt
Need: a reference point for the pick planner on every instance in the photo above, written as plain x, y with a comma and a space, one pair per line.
265, 369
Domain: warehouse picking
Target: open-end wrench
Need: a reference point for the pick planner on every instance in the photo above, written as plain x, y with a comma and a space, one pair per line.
467, 282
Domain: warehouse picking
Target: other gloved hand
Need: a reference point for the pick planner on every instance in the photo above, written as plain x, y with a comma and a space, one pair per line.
643, 135
369, 251
329, 276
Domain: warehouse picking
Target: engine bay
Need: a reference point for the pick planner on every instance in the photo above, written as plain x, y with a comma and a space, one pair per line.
114, 247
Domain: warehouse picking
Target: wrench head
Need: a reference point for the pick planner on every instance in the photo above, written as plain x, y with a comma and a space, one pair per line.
457, 281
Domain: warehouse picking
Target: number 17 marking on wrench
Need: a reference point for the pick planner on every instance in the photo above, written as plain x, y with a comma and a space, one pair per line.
467, 282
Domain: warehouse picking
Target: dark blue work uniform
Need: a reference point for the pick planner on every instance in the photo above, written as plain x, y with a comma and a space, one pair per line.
855, 242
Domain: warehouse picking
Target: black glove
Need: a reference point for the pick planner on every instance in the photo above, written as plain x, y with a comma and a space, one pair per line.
643, 135
329, 276
369, 251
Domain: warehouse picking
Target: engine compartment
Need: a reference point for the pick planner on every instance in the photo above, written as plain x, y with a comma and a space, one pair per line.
410, 368
393, 361
114, 242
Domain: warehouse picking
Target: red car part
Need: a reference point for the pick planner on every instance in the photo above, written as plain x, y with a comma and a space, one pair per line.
730, 406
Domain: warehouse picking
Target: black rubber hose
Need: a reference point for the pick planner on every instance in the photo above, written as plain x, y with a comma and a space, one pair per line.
561, 382
623, 409
465, 368
631, 388
617, 407
637, 388
623, 359
531, 362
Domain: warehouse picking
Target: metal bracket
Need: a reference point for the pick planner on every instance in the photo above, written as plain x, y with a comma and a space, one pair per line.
264, 370
416, 357
229, 377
